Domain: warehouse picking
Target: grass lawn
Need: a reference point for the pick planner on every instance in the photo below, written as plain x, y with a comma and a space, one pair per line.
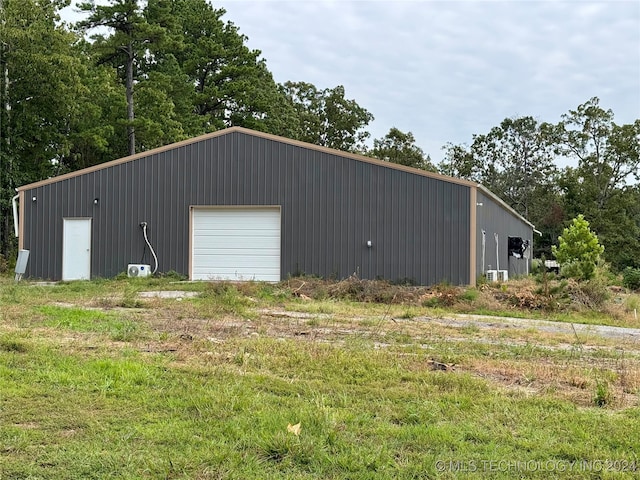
98, 382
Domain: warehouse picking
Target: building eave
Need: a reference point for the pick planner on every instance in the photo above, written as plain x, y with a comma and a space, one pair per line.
504, 205
254, 133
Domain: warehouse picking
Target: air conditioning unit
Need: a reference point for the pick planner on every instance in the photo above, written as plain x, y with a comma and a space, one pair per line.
138, 270
503, 275
492, 275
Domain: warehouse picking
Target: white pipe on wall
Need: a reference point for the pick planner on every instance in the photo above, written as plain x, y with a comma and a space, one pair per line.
497, 252
15, 214
484, 245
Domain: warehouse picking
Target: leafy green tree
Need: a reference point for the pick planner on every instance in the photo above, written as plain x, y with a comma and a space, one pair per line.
125, 46
98, 133
608, 154
515, 160
203, 77
460, 162
511, 160
604, 184
41, 84
327, 118
399, 147
579, 250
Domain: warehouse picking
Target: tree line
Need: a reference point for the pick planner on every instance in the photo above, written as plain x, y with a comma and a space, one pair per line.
518, 160
133, 75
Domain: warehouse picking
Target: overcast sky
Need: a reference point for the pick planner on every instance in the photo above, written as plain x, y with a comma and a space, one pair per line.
445, 70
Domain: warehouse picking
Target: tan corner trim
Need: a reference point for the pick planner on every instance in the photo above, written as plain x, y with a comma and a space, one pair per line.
21, 220
473, 227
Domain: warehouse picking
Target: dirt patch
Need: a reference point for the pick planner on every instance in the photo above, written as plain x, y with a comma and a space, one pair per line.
578, 329
175, 294
521, 356
358, 290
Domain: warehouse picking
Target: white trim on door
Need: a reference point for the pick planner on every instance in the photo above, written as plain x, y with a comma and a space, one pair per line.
76, 248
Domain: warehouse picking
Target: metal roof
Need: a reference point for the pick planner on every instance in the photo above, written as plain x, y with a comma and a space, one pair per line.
246, 131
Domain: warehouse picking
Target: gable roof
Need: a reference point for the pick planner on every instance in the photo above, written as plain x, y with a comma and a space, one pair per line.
254, 133
275, 138
505, 206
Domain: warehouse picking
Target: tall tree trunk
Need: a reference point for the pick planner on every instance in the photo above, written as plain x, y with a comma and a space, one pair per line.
131, 133
6, 183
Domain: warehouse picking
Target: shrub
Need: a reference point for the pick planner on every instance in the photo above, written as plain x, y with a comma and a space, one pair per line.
578, 251
553, 293
469, 295
537, 265
631, 278
592, 294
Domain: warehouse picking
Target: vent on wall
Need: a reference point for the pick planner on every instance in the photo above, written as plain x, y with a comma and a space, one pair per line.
138, 270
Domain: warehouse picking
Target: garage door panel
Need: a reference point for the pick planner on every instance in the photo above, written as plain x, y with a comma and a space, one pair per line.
222, 261
231, 253
238, 274
252, 243
233, 220
232, 228
236, 244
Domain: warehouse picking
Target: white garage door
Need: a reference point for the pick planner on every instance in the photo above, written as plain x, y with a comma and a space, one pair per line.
235, 244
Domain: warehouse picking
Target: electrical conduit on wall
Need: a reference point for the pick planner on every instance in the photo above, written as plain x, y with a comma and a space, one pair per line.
146, 239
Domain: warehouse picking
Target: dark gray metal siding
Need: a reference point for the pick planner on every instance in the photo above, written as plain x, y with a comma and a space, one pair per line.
331, 205
494, 218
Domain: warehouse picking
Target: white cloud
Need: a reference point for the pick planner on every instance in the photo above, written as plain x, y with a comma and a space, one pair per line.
447, 70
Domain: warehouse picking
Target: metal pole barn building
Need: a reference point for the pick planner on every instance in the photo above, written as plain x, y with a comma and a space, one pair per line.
243, 205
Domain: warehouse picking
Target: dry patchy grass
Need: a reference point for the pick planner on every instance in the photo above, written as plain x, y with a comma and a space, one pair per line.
205, 387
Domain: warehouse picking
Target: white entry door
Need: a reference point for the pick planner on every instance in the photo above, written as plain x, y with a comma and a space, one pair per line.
76, 249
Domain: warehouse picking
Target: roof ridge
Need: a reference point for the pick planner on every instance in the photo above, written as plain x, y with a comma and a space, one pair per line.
246, 131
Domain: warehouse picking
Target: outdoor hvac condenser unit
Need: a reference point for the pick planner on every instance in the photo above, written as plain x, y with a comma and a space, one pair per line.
503, 275
492, 275
138, 270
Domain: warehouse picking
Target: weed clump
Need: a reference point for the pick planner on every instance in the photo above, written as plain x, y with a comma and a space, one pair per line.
12, 345
603, 395
225, 297
442, 295
631, 278
632, 303
173, 275
354, 289
592, 294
